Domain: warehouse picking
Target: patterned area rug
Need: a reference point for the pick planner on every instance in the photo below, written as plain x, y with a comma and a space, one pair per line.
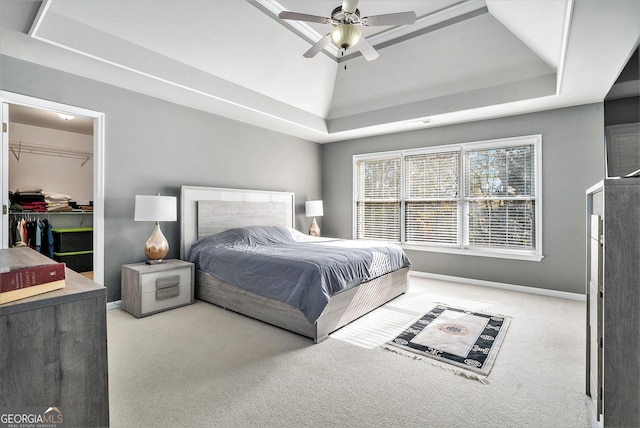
468, 340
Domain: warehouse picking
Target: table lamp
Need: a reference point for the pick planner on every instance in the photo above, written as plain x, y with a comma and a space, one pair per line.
155, 208
314, 209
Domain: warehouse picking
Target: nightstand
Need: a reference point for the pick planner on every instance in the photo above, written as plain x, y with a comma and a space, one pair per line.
148, 289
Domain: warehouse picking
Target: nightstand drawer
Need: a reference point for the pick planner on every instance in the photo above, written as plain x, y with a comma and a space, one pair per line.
150, 280
154, 301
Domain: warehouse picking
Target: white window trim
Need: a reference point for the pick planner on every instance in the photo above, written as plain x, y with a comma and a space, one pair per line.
535, 255
354, 201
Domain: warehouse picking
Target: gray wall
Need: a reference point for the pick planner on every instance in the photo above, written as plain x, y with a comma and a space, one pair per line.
572, 153
155, 146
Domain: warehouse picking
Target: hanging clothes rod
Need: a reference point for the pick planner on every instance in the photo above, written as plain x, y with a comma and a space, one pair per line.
49, 150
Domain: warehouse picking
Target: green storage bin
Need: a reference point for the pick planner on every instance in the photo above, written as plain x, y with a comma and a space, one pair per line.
79, 261
67, 240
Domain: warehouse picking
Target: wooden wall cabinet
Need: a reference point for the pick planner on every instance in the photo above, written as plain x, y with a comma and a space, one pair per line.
613, 301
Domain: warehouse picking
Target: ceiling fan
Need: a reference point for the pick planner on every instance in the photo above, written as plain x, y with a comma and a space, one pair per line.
346, 31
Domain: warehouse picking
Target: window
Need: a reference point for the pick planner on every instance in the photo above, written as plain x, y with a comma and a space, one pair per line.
378, 198
475, 198
431, 197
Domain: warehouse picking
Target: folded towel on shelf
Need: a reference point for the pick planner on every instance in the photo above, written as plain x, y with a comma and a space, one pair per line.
58, 208
56, 197
58, 204
34, 206
29, 189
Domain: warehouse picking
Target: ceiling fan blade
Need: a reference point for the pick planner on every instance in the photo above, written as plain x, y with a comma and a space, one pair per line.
318, 46
303, 17
349, 5
367, 50
401, 18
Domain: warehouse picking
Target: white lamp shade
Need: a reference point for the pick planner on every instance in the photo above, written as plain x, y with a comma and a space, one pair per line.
155, 208
313, 208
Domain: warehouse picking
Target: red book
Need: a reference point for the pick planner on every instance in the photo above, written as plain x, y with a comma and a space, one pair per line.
19, 277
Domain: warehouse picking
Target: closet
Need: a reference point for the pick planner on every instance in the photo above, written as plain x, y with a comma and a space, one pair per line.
50, 182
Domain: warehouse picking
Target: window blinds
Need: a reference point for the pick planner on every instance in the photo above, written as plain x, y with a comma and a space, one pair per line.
480, 195
500, 192
431, 206
378, 198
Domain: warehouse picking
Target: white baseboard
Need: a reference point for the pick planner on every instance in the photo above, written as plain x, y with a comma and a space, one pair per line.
593, 419
117, 304
521, 288
503, 286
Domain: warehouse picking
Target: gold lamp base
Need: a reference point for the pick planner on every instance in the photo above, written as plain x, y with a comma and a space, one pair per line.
314, 230
157, 247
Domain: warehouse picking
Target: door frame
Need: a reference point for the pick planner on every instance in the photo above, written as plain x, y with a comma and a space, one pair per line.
7, 98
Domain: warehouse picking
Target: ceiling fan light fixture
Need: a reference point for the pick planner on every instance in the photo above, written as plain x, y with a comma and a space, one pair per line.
345, 36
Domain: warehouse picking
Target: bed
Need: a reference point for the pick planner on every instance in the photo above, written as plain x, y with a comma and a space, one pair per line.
221, 217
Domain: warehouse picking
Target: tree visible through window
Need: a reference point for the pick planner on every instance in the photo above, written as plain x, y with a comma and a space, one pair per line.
378, 199
500, 190
431, 197
481, 196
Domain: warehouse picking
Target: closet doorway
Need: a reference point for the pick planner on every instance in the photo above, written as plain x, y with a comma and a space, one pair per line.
52, 176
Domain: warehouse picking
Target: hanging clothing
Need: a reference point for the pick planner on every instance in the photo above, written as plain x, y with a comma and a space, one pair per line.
38, 235
33, 233
50, 237
20, 240
30, 234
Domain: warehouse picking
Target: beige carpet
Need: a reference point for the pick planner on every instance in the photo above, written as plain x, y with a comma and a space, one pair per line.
202, 366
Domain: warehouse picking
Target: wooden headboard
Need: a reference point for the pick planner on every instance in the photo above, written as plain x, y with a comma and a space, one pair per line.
208, 210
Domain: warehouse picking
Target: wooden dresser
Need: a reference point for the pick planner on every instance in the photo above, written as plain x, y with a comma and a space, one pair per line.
53, 348
613, 301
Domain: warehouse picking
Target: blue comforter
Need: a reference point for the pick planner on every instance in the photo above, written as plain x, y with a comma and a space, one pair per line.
283, 264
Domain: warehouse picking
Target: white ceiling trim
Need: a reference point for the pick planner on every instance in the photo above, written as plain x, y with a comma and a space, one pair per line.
44, 8
316, 126
566, 30
425, 22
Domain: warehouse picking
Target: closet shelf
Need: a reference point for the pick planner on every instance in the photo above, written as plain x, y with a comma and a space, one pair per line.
18, 147
49, 212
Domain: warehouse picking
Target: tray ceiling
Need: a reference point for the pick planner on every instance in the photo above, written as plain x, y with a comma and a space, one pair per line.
461, 61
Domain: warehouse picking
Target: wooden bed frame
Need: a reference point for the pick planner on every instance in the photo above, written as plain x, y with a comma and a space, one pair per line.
208, 210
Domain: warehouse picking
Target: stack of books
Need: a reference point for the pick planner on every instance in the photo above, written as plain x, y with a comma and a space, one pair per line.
19, 282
